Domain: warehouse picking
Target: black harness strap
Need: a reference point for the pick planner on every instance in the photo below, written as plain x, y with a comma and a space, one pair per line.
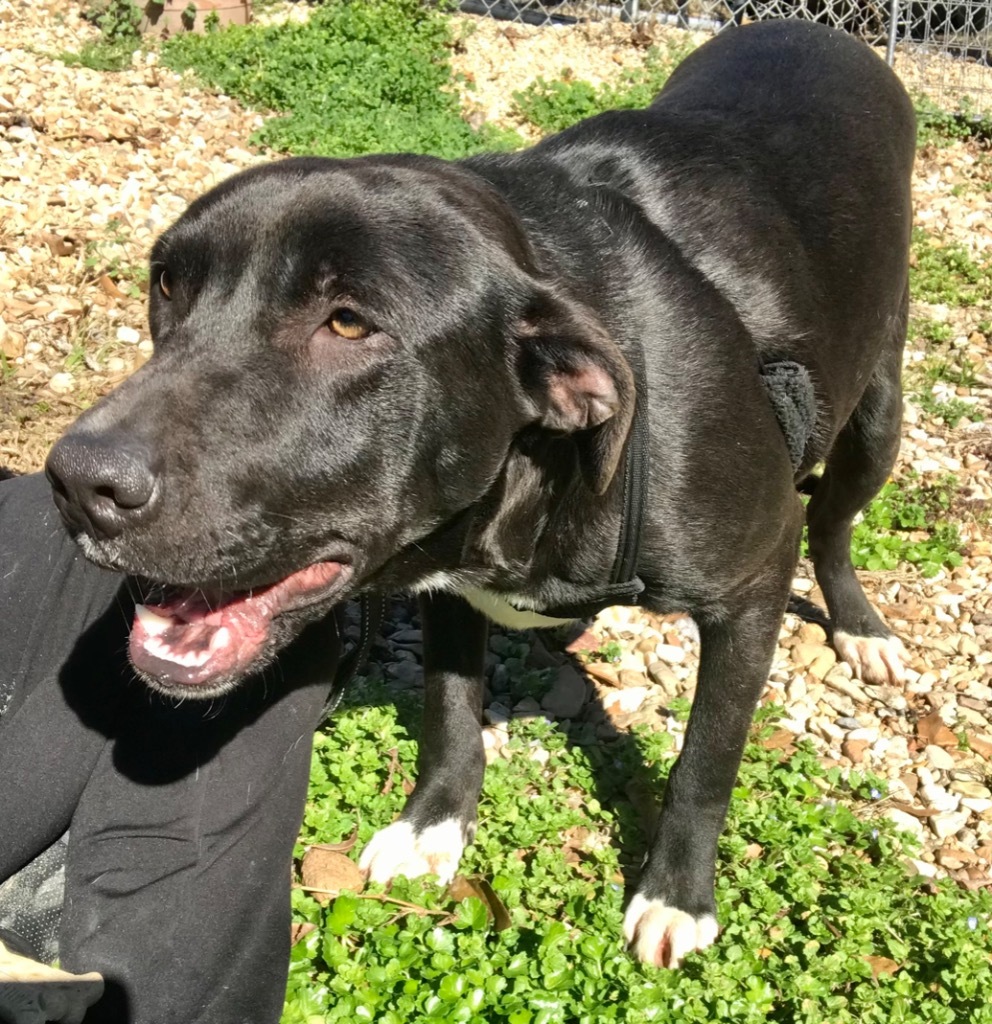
625, 586
373, 608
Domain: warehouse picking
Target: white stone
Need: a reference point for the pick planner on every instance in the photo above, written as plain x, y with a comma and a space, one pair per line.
939, 758
938, 798
944, 826
671, 654
128, 335
905, 822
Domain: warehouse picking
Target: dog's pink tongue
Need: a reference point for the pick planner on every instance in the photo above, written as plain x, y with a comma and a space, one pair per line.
189, 642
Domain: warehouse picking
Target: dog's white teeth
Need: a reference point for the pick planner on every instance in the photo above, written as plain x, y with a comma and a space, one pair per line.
220, 639
192, 659
153, 623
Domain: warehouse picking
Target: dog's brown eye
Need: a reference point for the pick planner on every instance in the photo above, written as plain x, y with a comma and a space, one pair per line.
348, 324
165, 284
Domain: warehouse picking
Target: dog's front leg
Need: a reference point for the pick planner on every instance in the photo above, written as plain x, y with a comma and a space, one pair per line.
439, 819
673, 911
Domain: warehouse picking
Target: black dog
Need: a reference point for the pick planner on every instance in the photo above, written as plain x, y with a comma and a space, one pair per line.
528, 386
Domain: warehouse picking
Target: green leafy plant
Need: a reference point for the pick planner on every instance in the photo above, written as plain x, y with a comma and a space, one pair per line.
908, 522
946, 273
110, 256
356, 77
930, 332
938, 127
820, 922
611, 651
118, 21
555, 105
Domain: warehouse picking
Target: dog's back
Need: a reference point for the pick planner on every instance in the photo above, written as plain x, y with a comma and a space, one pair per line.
777, 163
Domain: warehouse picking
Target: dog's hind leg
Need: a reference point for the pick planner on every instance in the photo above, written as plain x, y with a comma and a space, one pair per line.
857, 466
439, 819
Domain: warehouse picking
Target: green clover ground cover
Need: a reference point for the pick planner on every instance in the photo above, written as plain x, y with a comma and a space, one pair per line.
356, 77
820, 921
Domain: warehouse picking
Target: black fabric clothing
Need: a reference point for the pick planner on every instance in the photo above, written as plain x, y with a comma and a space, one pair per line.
181, 817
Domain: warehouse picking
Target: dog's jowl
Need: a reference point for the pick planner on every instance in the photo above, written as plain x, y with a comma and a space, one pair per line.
526, 386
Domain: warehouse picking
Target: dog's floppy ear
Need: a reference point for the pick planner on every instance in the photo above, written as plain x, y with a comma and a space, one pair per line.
578, 381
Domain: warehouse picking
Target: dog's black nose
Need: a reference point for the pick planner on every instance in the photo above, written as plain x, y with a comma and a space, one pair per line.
101, 485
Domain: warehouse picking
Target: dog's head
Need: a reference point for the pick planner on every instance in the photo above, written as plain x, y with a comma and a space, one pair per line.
346, 352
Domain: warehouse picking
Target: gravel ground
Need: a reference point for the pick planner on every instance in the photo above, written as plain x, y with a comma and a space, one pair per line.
85, 157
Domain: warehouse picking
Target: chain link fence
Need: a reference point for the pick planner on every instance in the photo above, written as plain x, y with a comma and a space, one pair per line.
941, 49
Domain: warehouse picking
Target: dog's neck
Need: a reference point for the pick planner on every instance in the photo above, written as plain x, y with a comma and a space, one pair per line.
538, 545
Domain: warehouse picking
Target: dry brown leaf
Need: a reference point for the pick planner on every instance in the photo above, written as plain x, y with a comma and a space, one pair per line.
329, 873
107, 283
882, 965
343, 847
299, 930
931, 730
780, 739
464, 887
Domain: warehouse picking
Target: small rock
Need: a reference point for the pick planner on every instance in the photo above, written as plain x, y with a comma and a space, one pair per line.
854, 749
797, 688
628, 700
128, 335
497, 715
944, 826
938, 798
804, 654
821, 665
838, 681
966, 787
849, 723
979, 691
905, 822
661, 675
672, 654
812, 633
603, 672
920, 867
567, 694
629, 678
62, 383
526, 707
977, 805
869, 733
939, 758
492, 740
408, 636
406, 673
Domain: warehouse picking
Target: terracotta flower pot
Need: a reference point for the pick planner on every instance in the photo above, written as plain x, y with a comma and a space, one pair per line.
167, 17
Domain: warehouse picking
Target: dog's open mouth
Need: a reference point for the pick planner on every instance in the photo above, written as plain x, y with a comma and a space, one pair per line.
194, 638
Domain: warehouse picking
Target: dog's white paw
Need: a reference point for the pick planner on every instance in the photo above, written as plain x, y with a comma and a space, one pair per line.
661, 935
880, 660
400, 850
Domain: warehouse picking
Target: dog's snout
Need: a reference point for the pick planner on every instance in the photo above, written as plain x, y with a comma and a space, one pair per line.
101, 485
